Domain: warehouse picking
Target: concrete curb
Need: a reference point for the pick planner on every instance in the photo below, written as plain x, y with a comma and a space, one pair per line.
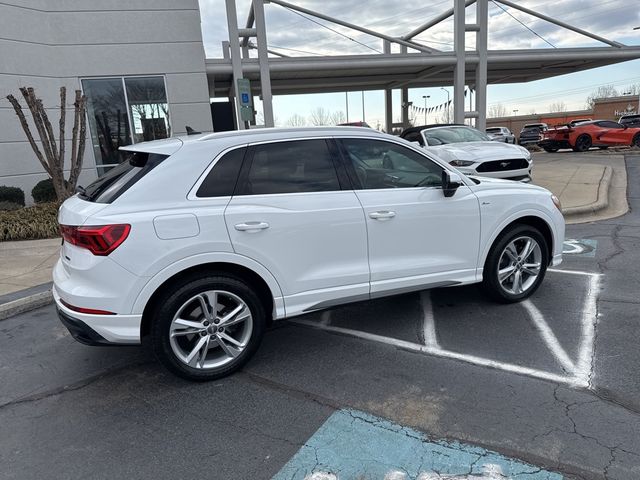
603, 197
25, 304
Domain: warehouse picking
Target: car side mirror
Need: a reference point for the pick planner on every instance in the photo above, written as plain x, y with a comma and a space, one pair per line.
451, 181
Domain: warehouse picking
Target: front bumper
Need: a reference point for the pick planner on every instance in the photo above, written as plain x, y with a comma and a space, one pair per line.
99, 329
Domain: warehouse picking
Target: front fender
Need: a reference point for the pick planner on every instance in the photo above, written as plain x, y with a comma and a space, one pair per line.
556, 225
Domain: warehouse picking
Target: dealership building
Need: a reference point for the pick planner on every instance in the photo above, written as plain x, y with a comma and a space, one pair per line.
142, 66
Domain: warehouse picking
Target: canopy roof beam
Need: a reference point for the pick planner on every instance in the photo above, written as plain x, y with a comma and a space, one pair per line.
561, 23
406, 43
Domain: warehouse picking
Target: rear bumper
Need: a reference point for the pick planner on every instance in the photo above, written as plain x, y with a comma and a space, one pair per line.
554, 143
99, 329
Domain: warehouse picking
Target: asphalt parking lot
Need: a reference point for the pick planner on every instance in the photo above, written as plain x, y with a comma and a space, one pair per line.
552, 382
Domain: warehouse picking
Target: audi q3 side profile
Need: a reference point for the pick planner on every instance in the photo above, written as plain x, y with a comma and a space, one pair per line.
196, 244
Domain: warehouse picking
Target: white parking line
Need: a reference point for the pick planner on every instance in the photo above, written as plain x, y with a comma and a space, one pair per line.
589, 322
549, 337
578, 374
429, 324
439, 352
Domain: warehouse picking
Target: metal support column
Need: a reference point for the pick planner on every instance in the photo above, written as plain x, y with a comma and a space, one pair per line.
263, 60
459, 70
388, 96
236, 59
404, 99
482, 19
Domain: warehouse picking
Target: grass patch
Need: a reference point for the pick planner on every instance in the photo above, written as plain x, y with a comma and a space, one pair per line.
30, 223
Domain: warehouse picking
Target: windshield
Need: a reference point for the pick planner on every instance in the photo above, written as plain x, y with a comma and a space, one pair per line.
445, 135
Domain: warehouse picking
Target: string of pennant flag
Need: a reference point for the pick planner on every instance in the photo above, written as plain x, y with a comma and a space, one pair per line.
436, 108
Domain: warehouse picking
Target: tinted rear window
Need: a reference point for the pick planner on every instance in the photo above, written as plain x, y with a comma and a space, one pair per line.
222, 179
493, 130
119, 179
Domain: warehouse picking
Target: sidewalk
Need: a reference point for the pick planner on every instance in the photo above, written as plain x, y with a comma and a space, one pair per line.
590, 187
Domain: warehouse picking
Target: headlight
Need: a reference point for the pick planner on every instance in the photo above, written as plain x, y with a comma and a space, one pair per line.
461, 163
556, 202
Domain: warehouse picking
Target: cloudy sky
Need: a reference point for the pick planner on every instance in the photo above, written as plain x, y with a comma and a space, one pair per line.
293, 35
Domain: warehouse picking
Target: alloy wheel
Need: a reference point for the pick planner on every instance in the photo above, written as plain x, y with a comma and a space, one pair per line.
519, 265
210, 329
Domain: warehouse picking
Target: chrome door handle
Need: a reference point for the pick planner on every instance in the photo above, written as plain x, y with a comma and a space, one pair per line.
382, 215
248, 226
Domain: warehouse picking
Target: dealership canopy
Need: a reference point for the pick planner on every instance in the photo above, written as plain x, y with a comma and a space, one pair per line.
428, 67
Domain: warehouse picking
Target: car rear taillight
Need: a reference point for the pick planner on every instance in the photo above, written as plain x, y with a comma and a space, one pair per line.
100, 240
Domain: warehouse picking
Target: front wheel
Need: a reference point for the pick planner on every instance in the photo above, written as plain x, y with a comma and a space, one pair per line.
636, 140
516, 265
208, 328
551, 149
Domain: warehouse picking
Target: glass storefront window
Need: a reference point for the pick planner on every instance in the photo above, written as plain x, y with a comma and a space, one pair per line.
148, 108
122, 111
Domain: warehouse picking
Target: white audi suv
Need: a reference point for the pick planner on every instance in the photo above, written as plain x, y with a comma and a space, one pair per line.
195, 244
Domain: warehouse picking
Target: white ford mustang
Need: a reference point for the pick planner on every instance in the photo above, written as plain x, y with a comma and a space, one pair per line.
472, 151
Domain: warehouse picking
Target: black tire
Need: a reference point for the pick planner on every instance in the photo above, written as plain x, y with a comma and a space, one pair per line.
491, 284
583, 143
551, 149
636, 140
184, 291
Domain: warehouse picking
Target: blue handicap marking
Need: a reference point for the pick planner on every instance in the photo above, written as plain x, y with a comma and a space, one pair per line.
245, 98
356, 445
583, 246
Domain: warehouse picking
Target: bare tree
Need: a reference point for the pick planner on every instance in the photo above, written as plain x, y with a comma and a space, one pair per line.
338, 117
51, 156
319, 117
558, 107
296, 120
633, 89
497, 110
603, 91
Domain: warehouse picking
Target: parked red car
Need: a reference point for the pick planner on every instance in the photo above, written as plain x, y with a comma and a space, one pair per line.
583, 136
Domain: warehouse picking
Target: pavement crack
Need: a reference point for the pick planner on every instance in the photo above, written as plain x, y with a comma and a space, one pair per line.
36, 397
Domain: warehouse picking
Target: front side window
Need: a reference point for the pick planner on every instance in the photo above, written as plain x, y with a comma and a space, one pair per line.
380, 164
609, 124
291, 167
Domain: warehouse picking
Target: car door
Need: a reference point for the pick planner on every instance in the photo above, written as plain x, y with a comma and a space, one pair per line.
612, 133
291, 214
416, 235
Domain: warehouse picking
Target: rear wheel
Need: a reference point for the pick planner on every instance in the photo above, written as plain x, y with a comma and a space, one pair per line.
551, 149
636, 140
516, 264
583, 143
208, 328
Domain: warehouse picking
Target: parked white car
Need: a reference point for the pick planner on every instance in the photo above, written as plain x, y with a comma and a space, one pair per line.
501, 134
472, 151
197, 243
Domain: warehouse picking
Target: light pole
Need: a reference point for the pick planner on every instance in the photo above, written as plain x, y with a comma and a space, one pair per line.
346, 104
442, 88
425, 107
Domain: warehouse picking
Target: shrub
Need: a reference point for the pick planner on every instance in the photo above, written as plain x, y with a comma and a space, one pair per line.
12, 194
30, 223
44, 192
7, 206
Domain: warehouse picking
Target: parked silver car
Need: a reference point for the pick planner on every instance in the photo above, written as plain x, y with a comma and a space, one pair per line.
501, 134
